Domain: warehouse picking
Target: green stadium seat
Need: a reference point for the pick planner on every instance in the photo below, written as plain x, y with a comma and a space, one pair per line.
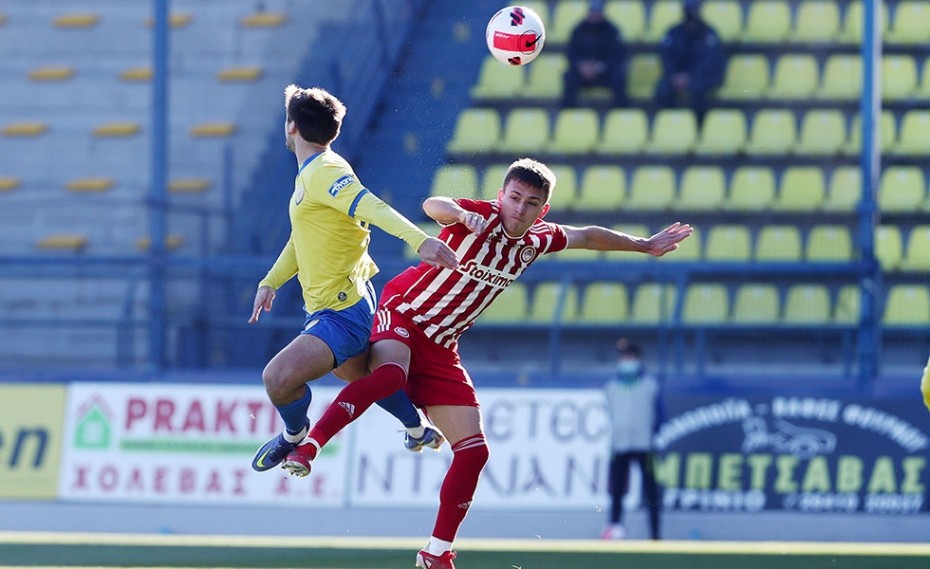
726, 17
768, 21
807, 305
548, 298
778, 243
652, 189
888, 246
576, 132
525, 132
887, 133
842, 78
629, 16
907, 305
829, 243
723, 133
703, 188
604, 303
914, 139
816, 21
625, 132
653, 303
852, 23
76, 20
705, 303
497, 81
510, 307
674, 131
802, 189
663, 15
726, 242
773, 133
922, 92
845, 189
644, 74
492, 180
847, 305
476, 131
917, 252
455, 181
566, 187
603, 189
566, 15
796, 77
911, 24
902, 189
756, 304
752, 188
823, 133
899, 77
545, 77
746, 78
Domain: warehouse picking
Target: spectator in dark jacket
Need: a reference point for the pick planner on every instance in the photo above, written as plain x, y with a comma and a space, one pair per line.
693, 62
596, 58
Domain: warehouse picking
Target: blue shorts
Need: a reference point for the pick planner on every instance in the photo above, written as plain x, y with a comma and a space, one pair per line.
345, 331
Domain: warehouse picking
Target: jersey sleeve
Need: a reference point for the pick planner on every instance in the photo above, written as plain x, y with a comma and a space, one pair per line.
559, 239
284, 268
373, 210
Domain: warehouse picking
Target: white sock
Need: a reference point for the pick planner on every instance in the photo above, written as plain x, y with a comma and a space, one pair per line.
295, 438
438, 546
416, 432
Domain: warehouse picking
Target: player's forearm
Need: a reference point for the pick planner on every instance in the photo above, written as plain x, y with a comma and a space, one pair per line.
376, 212
603, 239
284, 268
443, 210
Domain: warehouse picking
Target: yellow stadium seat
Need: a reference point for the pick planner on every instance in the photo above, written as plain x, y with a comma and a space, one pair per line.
911, 23
652, 189
493, 180
842, 78
663, 15
887, 133
566, 15
576, 132
726, 17
673, 132
212, 130
778, 243
823, 133
829, 243
240, 74
914, 139
653, 303
545, 77
625, 132
902, 189
917, 254
9, 183
508, 308
175, 20
603, 189
807, 304
922, 91
189, 185
172, 242
845, 189
454, 181
90, 185
746, 78
847, 304
116, 130
796, 77
76, 20
635, 230
63, 242
907, 305
726, 242
768, 21
629, 16
802, 189
756, 304
566, 187
526, 131
888, 246
497, 81
136, 74
51, 73
852, 22
773, 133
604, 303
541, 7
3, 19
644, 74
554, 302
723, 133
25, 129
899, 77
705, 303
816, 21
264, 20
703, 188
476, 131
752, 188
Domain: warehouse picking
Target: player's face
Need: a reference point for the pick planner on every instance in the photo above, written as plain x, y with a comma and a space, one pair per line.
289, 129
521, 206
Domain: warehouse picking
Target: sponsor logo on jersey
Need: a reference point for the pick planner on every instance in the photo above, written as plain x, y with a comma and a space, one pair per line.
484, 274
298, 193
339, 184
350, 409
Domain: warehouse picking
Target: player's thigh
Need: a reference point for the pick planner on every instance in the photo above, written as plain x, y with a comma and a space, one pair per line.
456, 421
389, 351
306, 358
353, 368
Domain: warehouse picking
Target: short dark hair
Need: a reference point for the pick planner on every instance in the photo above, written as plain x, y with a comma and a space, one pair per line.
628, 349
317, 113
532, 173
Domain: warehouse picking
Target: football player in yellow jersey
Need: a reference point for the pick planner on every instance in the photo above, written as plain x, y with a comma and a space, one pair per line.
925, 385
328, 251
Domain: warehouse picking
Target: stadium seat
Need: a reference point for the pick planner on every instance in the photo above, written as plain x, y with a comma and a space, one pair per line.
823, 133
653, 303
497, 81
566, 188
92, 185
887, 133
526, 131
629, 16
723, 133
644, 74
914, 138
847, 304
72, 21
189, 185
801, 190
116, 130
778, 243
907, 305
604, 303
636, 230
922, 91
917, 252
674, 131
829, 243
852, 22
73, 242
454, 181
652, 189
566, 15
842, 78
662, 15
845, 189
175, 20
703, 188
264, 19
752, 188
603, 189
139, 74
9, 183
549, 298
816, 21
768, 21
705, 303
726, 242
172, 242
508, 308
899, 77
492, 180
902, 189
911, 24
541, 7
726, 17
51, 73
773, 133
240, 74
807, 305
888, 246
796, 77
625, 132
25, 129
576, 132
545, 77
756, 304
476, 131
746, 78
216, 129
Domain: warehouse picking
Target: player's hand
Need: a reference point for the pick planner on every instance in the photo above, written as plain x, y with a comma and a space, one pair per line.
668, 239
435, 253
475, 222
925, 385
264, 296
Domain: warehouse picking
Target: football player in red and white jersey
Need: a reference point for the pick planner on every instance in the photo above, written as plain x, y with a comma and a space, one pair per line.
425, 309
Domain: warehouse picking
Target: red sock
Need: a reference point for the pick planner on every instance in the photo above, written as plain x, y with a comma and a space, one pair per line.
355, 398
458, 487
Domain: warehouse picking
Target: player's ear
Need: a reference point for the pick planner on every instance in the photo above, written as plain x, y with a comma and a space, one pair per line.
545, 210
500, 194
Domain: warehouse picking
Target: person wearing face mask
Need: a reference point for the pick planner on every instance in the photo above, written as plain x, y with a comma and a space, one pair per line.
635, 407
693, 62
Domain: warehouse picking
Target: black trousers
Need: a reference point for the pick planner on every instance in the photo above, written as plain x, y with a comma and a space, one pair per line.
620, 484
614, 79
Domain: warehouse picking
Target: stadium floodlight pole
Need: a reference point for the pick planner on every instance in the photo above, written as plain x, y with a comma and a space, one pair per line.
870, 277
158, 192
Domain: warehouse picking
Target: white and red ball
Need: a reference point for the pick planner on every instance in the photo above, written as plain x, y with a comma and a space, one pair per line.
515, 35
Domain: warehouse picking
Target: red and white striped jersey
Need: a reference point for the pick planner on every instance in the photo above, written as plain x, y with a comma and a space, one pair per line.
445, 302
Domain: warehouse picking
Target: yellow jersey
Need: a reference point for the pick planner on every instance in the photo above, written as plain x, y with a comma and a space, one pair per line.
330, 211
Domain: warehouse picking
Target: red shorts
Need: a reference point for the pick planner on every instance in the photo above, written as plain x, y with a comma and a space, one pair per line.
436, 375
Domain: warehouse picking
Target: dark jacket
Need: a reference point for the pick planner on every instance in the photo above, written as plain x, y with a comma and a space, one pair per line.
694, 49
599, 41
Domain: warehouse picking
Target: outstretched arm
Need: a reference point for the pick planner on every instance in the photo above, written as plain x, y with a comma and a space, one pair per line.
446, 212
603, 239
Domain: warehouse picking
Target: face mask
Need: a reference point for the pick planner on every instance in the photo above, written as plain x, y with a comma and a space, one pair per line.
629, 368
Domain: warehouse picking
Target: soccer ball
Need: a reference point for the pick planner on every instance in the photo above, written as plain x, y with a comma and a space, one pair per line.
515, 35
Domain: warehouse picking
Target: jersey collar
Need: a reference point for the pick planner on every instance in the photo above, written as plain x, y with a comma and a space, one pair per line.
307, 162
